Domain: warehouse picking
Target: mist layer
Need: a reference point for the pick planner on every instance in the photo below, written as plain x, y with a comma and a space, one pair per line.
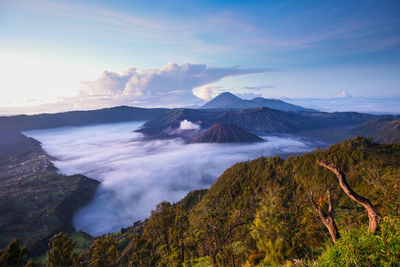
136, 174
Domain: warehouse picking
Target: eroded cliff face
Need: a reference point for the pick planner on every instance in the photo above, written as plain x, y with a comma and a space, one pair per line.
35, 201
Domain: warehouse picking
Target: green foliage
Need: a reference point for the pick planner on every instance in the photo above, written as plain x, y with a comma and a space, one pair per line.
61, 251
13, 255
199, 262
359, 248
274, 227
31, 263
261, 209
259, 212
103, 252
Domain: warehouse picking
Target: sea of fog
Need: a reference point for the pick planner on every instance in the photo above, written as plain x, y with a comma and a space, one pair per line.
136, 174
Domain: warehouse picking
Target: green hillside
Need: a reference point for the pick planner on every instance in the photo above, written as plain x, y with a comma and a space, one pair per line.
260, 211
36, 202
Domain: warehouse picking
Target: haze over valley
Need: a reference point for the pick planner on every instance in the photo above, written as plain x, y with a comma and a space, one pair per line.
136, 173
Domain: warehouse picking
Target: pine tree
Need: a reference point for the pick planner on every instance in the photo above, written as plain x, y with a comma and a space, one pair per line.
272, 228
13, 255
61, 251
104, 252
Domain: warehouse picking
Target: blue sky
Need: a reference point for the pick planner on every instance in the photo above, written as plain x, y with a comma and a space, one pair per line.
54, 53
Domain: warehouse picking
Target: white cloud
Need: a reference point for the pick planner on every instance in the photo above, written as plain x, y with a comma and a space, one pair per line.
357, 104
170, 84
344, 94
206, 92
188, 125
137, 174
248, 95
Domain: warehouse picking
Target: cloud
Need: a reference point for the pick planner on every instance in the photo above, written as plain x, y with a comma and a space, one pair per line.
207, 92
344, 94
188, 125
135, 174
348, 103
248, 95
260, 87
170, 84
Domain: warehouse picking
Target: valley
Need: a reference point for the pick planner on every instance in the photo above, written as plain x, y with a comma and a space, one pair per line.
46, 161
131, 183
35, 201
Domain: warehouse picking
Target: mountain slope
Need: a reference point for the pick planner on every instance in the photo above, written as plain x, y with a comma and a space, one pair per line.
278, 192
230, 101
226, 133
172, 119
289, 182
78, 118
264, 120
227, 101
257, 120
277, 104
382, 130
36, 202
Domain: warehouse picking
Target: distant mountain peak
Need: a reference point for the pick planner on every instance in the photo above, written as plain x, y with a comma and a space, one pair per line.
344, 95
227, 95
228, 100
224, 100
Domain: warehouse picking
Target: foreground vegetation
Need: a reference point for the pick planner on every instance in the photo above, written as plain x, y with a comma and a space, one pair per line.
260, 213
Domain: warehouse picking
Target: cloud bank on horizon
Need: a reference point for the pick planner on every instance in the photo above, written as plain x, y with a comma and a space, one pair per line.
135, 174
170, 85
320, 48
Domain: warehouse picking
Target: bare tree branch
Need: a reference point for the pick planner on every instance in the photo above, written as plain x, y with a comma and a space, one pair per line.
373, 214
328, 219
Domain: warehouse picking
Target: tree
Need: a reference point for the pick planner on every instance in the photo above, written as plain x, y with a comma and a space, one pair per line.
104, 252
158, 232
181, 225
13, 255
273, 227
216, 230
61, 251
327, 219
31, 263
373, 214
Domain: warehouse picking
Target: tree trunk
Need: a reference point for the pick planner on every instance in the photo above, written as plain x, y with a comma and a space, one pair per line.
328, 219
373, 214
182, 251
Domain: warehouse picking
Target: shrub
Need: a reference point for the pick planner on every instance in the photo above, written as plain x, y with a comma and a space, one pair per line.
360, 248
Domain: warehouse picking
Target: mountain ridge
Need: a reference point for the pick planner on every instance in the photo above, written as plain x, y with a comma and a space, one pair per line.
260, 120
77, 118
381, 130
226, 133
228, 100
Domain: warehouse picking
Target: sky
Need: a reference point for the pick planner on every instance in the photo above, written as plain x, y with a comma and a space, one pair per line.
66, 55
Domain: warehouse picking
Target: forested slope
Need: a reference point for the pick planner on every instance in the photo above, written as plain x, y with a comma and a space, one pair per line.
259, 213
261, 210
